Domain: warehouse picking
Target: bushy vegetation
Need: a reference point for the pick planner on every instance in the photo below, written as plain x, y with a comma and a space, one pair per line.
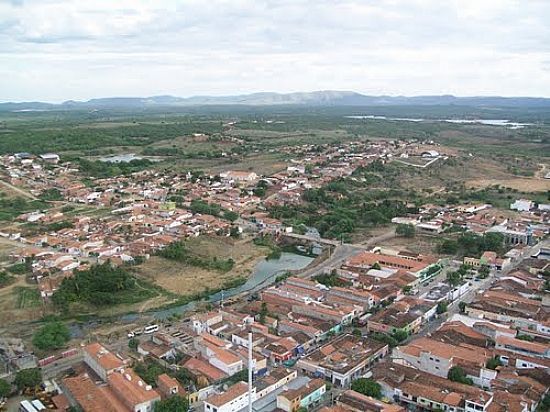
172, 404
99, 169
100, 285
330, 279
5, 279
76, 131
53, 335
149, 371
345, 205
457, 374
470, 244
368, 387
178, 251
405, 230
393, 340
204, 208
11, 207
5, 388
28, 378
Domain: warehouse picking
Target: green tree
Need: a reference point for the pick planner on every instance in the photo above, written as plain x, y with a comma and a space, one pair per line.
133, 343
28, 378
442, 307
357, 332
407, 289
230, 215
457, 374
53, 335
527, 338
400, 335
405, 230
5, 388
367, 387
493, 363
173, 404
263, 313
454, 278
462, 307
483, 272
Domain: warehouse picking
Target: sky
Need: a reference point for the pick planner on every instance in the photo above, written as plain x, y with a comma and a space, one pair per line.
56, 50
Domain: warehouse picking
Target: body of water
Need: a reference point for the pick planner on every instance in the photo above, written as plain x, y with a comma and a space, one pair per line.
264, 275
488, 122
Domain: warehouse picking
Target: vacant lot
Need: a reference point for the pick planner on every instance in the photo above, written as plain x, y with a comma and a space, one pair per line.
19, 302
183, 279
523, 184
425, 245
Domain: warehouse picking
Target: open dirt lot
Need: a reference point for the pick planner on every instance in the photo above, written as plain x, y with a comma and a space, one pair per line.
523, 184
184, 279
425, 245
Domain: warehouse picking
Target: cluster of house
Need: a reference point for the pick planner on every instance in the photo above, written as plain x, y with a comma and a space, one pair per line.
532, 222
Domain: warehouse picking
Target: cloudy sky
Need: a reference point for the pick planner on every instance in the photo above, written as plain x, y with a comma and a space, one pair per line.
54, 50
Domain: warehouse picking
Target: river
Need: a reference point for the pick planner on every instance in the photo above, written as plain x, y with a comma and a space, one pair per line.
264, 274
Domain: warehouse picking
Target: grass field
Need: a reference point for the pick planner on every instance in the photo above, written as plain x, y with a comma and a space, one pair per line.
27, 297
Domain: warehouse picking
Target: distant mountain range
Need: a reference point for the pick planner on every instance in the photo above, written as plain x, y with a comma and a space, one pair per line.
319, 98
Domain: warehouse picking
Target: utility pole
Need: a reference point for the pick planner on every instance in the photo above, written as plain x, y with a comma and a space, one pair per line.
250, 372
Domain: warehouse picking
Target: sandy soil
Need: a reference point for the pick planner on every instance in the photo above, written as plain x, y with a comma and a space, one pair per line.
184, 279
425, 245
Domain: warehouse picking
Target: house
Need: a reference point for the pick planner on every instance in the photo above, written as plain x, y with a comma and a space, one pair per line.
202, 321
168, 387
437, 358
343, 359
239, 176
353, 401
522, 205
232, 400
132, 392
305, 396
101, 361
417, 390
81, 391
534, 349
50, 158
278, 378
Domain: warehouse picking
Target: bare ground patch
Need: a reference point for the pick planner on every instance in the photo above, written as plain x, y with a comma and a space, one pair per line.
184, 279
522, 184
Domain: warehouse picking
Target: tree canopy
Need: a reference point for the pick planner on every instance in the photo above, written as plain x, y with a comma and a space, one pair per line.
5, 388
367, 387
28, 378
53, 335
173, 404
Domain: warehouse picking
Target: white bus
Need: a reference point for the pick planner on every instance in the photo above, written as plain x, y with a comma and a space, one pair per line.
151, 329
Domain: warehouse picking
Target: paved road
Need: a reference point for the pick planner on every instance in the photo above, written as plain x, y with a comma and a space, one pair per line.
478, 286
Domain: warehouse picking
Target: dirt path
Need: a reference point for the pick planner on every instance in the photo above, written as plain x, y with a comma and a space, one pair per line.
17, 190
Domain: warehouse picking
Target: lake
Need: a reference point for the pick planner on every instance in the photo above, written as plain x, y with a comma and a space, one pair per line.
488, 122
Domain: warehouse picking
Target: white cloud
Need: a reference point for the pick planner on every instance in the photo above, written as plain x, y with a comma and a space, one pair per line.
56, 50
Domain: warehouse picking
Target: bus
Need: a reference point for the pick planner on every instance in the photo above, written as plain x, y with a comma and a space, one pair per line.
151, 329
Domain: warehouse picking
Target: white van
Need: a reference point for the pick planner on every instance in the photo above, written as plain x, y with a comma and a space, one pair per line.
151, 329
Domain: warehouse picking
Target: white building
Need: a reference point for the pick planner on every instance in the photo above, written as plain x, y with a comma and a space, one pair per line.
232, 400
522, 205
